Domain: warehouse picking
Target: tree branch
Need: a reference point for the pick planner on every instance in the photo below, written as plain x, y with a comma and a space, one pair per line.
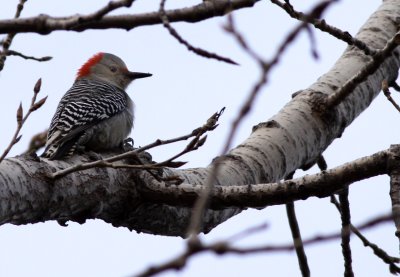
380, 56
294, 138
345, 217
380, 253
322, 184
324, 27
196, 50
6, 43
224, 247
19, 54
44, 24
297, 240
21, 119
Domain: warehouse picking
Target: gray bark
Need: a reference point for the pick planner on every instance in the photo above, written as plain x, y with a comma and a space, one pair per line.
292, 139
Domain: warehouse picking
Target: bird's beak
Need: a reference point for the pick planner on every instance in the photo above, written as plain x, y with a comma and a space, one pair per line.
138, 75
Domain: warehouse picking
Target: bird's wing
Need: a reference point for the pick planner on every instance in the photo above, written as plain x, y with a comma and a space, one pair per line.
83, 106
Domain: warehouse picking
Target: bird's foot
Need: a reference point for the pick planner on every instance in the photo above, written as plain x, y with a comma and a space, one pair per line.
127, 145
93, 156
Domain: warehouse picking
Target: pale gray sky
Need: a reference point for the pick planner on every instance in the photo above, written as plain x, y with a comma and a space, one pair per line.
184, 91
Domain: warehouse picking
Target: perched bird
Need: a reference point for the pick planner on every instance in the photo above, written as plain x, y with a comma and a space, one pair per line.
95, 113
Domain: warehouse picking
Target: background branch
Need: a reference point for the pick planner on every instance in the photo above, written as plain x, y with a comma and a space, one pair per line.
325, 27
6, 43
196, 50
224, 247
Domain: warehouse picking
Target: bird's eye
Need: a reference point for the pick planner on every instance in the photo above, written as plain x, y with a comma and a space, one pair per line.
113, 69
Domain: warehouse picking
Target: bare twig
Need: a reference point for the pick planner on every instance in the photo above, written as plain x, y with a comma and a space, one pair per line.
344, 210
9, 38
336, 98
44, 24
224, 247
194, 144
324, 27
111, 6
297, 240
21, 118
345, 216
247, 232
99, 14
380, 253
386, 92
19, 54
313, 43
296, 236
196, 50
395, 192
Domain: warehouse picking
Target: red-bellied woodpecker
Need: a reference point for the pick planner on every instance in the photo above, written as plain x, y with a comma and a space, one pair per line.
96, 112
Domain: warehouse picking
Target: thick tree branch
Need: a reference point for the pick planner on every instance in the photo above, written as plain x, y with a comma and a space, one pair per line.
294, 138
44, 24
120, 197
258, 195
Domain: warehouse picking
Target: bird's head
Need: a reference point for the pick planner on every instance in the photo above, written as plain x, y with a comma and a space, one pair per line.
109, 68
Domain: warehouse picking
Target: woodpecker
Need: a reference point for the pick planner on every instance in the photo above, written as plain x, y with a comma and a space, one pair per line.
95, 113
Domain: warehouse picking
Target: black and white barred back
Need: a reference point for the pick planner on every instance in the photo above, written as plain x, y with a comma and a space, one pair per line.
84, 105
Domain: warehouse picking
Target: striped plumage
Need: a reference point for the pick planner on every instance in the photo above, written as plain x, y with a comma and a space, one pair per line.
96, 112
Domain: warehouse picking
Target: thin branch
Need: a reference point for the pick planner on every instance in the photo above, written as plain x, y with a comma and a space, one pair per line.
44, 24
99, 14
194, 144
297, 240
196, 50
247, 232
386, 92
18, 54
345, 216
379, 252
21, 119
9, 38
395, 193
336, 98
324, 27
223, 247
296, 236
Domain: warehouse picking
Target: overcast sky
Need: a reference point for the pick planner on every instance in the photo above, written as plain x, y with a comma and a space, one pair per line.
184, 91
